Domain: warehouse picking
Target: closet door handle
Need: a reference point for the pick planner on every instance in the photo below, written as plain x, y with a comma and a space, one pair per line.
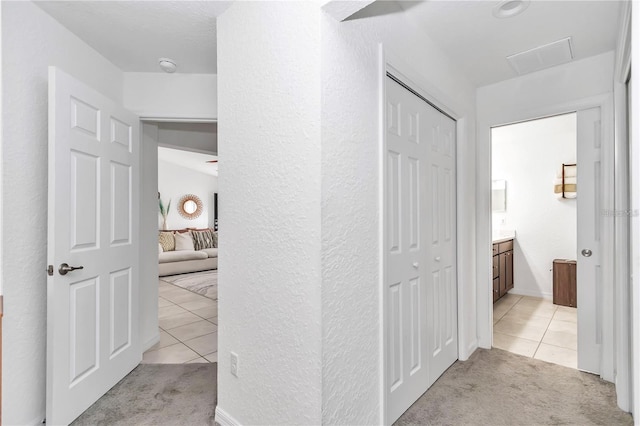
437, 258
416, 265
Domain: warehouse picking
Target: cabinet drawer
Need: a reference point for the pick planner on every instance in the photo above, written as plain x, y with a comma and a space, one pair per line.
506, 246
496, 249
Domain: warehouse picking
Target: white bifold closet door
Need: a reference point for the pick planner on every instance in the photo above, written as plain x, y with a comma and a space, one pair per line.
420, 247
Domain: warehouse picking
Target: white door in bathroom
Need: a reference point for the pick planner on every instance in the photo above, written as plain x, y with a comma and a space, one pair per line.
420, 247
92, 286
590, 239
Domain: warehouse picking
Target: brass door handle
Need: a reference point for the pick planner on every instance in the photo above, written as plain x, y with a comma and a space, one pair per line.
64, 268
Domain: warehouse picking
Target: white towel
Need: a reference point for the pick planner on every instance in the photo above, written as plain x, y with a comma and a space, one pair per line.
570, 182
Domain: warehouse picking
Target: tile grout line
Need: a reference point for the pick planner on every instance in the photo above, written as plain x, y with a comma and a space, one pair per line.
544, 334
191, 312
179, 341
539, 342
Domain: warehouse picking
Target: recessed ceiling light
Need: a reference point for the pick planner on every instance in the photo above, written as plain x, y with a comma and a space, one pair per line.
167, 65
509, 8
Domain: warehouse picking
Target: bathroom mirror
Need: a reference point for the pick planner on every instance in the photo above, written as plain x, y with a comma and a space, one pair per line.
190, 206
499, 196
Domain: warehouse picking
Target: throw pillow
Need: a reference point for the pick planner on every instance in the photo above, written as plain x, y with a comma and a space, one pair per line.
203, 239
184, 241
215, 239
160, 249
167, 241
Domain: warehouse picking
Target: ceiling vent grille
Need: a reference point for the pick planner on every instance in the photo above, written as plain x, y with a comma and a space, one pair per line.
541, 57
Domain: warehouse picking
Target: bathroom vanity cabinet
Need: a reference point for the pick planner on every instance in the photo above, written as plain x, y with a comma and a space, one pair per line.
502, 268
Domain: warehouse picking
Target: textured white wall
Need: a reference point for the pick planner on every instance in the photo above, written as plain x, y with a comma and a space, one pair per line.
351, 295
173, 183
551, 91
161, 95
281, 95
528, 156
269, 149
32, 41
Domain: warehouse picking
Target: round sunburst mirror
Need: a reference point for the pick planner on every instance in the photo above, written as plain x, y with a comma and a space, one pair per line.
190, 206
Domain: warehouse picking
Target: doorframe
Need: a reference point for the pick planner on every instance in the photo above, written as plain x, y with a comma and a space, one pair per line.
388, 61
148, 203
485, 303
634, 148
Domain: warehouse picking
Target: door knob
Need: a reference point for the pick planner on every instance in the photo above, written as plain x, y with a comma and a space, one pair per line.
586, 252
437, 258
64, 268
416, 264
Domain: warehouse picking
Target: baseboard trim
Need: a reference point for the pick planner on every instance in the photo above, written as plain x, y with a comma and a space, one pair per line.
531, 293
225, 419
149, 343
471, 349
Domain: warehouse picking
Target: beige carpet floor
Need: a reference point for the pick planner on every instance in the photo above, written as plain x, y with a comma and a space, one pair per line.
500, 388
491, 388
158, 394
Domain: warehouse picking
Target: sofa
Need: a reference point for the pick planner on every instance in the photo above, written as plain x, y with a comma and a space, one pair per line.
187, 250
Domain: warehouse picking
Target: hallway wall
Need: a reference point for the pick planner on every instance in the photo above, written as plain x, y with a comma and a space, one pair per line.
319, 295
269, 181
32, 41
352, 56
161, 95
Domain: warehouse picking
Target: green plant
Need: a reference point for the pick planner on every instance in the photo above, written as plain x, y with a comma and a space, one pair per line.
164, 211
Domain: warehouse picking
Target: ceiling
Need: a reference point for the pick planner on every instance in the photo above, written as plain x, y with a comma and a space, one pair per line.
190, 160
478, 43
135, 34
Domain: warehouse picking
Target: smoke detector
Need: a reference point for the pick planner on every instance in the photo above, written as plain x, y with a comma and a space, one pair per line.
510, 8
167, 65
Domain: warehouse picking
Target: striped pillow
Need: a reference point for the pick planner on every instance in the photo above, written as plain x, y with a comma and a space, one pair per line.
203, 239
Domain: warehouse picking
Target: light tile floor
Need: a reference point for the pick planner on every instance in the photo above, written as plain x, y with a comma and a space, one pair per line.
188, 327
536, 328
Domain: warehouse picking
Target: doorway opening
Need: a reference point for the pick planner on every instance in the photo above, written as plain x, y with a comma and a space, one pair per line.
187, 224
534, 235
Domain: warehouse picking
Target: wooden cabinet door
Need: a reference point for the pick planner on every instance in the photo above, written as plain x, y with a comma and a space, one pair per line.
564, 283
509, 269
502, 268
503, 274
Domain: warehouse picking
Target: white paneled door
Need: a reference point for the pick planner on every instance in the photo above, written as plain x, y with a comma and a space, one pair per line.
590, 224
92, 311
420, 247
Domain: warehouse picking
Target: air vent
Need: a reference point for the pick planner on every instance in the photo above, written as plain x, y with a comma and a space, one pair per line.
541, 57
